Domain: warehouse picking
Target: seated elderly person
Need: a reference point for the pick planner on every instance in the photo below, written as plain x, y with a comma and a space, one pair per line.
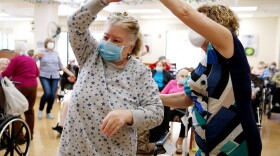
269, 71
3, 64
276, 80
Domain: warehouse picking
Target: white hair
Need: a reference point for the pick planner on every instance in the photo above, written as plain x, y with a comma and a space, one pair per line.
21, 48
4, 59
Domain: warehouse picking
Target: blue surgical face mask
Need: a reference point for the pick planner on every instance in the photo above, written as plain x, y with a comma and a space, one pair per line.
159, 69
182, 81
110, 51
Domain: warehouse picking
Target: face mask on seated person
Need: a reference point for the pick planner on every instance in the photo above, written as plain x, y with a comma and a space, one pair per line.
272, 66
72, 64
196, 39
110, 51
182, 81
159, 69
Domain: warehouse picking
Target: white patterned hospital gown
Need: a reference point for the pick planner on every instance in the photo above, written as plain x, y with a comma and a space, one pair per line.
102, 87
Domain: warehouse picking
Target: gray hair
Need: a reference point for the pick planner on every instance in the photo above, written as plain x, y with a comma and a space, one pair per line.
4, 59
132, 27
21, 48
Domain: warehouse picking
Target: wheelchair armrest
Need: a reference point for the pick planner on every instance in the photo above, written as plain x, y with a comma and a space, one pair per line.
162, 139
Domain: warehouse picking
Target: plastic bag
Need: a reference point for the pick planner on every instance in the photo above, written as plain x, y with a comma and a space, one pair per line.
16, 103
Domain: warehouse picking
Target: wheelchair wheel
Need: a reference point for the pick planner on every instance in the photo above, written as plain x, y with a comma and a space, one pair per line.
9, 145
259, 115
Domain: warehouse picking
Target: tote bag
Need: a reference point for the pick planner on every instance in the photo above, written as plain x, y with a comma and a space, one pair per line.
16, 103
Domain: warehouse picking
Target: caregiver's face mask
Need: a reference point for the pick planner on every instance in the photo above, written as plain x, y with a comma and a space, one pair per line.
196, 39
110, 51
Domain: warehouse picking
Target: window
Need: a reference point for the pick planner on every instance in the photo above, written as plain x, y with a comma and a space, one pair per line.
6, 39
179, 50
64, 48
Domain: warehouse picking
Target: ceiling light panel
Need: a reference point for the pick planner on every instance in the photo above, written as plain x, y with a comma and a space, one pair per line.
245, 15
237, 9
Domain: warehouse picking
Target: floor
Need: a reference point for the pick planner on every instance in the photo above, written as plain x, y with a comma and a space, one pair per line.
45, 141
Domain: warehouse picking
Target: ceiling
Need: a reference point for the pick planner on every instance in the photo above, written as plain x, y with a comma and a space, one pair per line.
22, 9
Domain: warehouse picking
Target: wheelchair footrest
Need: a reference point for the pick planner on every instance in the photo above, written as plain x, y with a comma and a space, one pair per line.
162, 139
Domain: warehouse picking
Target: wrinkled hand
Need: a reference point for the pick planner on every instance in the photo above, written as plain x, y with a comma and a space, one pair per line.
72, 78
115, 120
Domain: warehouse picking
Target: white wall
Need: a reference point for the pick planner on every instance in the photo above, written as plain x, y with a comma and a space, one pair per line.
158, 30
157, 33
277, 46
265, 29
20, 30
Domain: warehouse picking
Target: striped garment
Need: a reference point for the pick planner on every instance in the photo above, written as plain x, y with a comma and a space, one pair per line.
220, 126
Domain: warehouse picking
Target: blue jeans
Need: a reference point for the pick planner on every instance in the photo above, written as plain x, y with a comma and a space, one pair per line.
49, 86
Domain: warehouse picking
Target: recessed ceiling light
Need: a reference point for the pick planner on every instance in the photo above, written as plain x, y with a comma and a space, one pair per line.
253, 8
139, 11
245, 15
156, 17
15, 19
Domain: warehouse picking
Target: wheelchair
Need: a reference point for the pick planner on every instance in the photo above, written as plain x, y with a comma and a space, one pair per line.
9, 145
274, 104
271, 100
187, 139
261, 99
267, 96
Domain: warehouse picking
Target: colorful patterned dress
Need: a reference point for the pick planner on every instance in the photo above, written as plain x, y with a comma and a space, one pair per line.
222, 113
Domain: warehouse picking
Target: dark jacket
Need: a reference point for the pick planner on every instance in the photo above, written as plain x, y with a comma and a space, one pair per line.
166, 78
158, 131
